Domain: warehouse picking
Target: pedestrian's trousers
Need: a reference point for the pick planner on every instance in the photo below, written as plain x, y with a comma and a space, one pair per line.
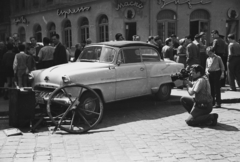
215, 83
197, 116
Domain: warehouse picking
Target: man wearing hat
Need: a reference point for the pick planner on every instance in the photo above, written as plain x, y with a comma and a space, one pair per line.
167, 50
219, 46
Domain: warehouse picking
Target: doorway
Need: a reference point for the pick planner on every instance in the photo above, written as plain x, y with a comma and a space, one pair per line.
194, 28
198, 26
130, 30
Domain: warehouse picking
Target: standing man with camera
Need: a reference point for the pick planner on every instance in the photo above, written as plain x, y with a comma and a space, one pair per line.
200, 107
215, 71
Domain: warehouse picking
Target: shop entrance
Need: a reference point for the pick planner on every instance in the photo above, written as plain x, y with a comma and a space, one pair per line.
199, 22
130, 30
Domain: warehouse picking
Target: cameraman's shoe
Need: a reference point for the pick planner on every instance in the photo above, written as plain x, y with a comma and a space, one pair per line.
214, 121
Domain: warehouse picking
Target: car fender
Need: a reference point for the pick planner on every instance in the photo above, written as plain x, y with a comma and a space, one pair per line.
165, 79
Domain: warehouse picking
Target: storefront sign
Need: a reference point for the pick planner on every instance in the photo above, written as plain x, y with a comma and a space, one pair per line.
190, 3
72, 11
21, 20
129, 4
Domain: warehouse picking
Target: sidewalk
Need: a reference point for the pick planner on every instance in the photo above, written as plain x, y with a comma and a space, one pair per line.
227, 96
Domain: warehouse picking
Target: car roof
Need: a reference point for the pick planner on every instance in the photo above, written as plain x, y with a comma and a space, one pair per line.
121, 44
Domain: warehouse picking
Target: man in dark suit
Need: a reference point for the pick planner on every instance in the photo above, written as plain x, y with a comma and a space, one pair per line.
59, 55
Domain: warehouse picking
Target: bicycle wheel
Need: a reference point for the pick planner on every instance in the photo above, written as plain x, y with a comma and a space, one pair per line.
75, 108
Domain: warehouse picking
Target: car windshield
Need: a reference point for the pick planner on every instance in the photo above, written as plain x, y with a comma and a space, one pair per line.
97, 54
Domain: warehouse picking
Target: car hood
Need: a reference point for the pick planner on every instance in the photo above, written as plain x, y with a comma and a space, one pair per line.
71, 67
53, 75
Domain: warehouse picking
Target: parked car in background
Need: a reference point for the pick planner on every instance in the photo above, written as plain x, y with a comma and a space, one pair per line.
115, 70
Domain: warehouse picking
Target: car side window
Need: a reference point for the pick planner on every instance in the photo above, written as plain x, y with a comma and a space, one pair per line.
132, 55
107, 55
150, 55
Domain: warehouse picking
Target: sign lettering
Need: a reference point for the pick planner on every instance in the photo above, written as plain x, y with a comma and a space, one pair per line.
21, 20
190, 3
72, 11
129, 4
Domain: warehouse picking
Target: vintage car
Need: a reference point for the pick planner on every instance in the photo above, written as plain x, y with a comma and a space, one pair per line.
115, 70
111, 71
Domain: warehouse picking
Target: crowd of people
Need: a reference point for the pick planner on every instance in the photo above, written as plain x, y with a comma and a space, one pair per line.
211, 65
18, 59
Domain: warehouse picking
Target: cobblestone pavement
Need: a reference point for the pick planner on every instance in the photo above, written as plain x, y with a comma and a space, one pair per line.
137, 130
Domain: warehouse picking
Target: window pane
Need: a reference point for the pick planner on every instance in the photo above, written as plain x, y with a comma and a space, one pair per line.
200, 14
149, 55
87, 32
106, 38
70, 38
161, 31
132, 55
171, 28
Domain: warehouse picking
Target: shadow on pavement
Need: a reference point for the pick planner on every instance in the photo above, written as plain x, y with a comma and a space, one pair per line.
235, 109
136, 109
224, 127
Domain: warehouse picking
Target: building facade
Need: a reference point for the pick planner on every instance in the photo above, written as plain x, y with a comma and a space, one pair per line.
4, 20
100, 20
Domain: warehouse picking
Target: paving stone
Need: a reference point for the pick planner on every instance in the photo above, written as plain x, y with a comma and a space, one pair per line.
6, 159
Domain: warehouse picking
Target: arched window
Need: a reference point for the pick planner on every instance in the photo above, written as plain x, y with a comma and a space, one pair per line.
68, 34
38, 33
84, 26
199, 22
22, 34
51, 29
166, 23
103, 28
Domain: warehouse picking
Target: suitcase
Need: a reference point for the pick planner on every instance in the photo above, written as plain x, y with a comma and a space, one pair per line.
21, 107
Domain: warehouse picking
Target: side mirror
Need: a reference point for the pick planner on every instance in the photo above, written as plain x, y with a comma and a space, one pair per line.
119, 62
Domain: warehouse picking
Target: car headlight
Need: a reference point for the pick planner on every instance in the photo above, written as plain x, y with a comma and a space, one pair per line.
65, 79
30, 76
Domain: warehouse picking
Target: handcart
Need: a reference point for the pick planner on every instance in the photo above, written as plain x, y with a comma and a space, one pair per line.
74, 108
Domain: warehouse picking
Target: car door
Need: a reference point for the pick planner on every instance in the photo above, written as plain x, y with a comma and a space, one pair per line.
156, 68
131, 77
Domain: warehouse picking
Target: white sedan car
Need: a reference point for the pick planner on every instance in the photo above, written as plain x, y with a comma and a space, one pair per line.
115, 70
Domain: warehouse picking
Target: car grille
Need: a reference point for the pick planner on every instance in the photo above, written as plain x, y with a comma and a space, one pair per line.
42, 95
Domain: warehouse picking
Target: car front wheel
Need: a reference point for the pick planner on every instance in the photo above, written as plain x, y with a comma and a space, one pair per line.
164, 92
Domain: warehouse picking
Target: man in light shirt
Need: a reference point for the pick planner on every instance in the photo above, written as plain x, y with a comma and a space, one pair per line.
215, 71
46, 54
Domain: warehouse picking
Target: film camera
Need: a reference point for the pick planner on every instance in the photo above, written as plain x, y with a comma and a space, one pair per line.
183, 74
